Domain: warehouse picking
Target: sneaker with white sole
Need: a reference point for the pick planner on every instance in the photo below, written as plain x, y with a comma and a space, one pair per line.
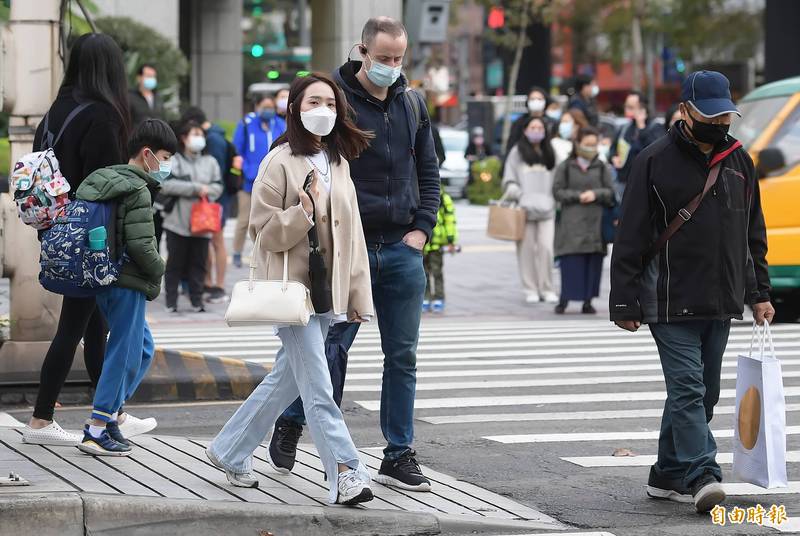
403, 473
550, 297
51, 435
240, 480
662, 488
134, 426
352, 489
103, 445
707, 493
532, 298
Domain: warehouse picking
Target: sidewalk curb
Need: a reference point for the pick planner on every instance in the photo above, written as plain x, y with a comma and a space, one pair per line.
460, 525
114, 515
179, 376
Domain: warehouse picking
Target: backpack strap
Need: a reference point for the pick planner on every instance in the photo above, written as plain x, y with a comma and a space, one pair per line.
47, 138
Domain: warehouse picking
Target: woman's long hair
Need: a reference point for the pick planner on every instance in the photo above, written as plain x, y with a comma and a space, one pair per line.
541, 153
96, 71
346, 139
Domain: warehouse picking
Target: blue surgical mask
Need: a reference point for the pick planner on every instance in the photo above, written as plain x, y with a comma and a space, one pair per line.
382, 75
150, 83
267, 115
565, 130
555, 115
164, 169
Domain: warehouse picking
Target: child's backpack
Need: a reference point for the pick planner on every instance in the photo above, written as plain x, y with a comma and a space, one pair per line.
40, 190
77, 253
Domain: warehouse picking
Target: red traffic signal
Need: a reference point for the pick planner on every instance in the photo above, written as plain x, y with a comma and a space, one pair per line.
497, 18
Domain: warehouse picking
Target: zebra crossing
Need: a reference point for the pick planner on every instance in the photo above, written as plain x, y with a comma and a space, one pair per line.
579, 387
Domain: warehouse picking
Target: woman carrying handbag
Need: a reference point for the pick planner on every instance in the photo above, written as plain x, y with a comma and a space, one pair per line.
306, 226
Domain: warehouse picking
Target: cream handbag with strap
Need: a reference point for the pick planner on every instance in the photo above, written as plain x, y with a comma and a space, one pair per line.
264, 302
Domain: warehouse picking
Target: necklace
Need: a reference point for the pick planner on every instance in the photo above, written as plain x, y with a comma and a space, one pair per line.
324, 174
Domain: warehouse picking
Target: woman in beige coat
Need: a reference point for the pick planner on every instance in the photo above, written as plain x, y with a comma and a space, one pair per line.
285, 207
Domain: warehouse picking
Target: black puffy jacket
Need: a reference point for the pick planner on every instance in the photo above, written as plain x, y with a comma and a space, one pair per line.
715, 262
397, 176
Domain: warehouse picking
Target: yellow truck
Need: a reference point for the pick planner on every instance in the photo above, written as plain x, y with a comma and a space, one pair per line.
770, 130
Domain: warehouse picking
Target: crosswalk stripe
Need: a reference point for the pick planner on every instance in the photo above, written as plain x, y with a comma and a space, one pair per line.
567, 415
359, 353
792, 456
598, 337
519, 400
483, 372
573, 437
549, 382
730, 358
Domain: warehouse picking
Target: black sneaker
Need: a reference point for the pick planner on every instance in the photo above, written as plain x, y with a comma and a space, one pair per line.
561, 308
707, 493
403, 473
663, 488
588, 309
113, 430
282, 449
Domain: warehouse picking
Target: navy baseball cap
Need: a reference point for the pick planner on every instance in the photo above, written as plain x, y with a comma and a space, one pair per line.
709, 92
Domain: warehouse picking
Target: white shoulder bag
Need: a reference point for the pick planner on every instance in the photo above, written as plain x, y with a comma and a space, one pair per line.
263, 302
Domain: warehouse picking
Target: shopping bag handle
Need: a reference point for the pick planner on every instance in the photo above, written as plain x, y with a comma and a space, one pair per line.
764, 335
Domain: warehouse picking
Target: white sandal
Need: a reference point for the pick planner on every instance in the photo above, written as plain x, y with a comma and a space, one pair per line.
52, 435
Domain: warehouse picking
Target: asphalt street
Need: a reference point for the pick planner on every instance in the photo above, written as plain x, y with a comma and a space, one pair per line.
514, 399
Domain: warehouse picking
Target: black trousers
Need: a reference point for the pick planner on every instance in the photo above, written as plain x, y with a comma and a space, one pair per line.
187, 257
80, 318
158, 224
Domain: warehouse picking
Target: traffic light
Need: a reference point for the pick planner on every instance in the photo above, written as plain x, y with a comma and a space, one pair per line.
256, 50
497, 18
273, 74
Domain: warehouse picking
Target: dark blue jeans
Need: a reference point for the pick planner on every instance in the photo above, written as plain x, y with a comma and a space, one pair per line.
398, 287
691, 358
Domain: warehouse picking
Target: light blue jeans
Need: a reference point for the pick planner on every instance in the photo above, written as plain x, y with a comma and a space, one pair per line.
300, 369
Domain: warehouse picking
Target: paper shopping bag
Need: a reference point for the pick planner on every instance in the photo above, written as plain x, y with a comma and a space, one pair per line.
506, 222
206, 217
759, 446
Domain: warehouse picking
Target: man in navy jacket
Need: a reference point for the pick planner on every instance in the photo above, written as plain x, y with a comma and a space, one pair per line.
397, 182
689, 290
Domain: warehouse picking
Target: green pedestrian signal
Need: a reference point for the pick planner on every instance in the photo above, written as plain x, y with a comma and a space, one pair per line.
303, 74
273, 75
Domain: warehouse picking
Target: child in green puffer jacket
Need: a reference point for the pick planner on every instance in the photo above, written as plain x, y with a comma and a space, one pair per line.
444, 237
130, 344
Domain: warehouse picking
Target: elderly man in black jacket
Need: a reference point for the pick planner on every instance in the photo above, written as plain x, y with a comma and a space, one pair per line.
684, 263
397, 183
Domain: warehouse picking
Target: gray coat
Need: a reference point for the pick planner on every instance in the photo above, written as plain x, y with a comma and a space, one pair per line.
578, 228
530, 186
189, 174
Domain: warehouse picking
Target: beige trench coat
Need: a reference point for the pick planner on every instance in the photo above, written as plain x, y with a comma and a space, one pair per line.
276, 213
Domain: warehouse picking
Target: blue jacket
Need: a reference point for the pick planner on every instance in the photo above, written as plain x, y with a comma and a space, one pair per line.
252, 143
217, 146
397, 176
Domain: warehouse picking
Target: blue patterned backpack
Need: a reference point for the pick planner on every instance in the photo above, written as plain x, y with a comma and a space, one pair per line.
76, 259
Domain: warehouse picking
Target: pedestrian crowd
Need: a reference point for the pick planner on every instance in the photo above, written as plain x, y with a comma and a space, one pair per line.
336, 182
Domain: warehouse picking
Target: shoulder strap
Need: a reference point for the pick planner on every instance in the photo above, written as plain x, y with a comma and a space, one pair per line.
684, 214
415, 107
49, 136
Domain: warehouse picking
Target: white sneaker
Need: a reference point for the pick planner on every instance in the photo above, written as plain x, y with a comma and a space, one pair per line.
240, 480
550, 297
352, 490
134, 426
532, 298
52, 435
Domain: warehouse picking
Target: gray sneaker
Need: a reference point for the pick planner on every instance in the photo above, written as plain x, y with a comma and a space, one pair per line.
707, 493
241, 480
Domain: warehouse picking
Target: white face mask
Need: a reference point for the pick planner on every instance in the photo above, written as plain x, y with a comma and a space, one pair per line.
319, 120
282, 104
536, 105
196, 144
595, 90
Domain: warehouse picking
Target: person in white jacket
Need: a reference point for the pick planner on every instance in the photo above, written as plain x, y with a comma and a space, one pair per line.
528, 181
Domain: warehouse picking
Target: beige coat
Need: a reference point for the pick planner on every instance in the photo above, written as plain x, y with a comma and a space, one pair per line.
277, 214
